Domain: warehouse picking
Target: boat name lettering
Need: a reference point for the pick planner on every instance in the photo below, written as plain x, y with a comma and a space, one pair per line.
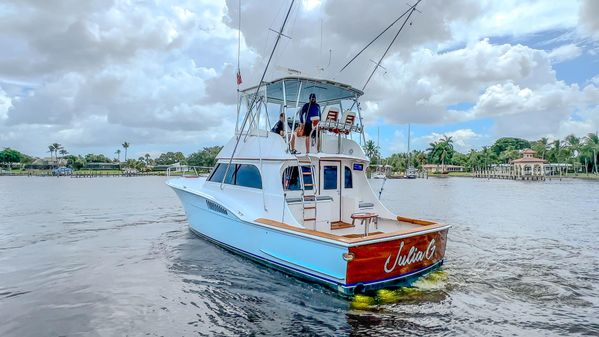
413, 255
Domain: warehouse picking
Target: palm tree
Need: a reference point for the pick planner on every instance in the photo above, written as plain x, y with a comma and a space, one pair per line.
592, 146
118, 153
555, 151
126, 146
56, 147
573, 144
544, 144
51, 148
371, 150
486, 153
446, 144
63, 152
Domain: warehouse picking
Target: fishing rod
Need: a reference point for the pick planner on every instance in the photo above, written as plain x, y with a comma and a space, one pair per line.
382, 187
380, 34
254, 99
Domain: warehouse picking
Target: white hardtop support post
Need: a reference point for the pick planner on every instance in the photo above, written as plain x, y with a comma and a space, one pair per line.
285, 114
363, 138
266, 116
299, 91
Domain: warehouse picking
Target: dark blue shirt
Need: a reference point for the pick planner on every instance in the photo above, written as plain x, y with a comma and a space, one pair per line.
311, 110
278, 127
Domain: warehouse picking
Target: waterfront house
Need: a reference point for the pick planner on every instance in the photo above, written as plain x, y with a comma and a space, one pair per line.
46, 163
437, 168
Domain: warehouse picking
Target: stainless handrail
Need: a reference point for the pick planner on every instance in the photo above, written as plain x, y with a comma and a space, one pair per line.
189, 169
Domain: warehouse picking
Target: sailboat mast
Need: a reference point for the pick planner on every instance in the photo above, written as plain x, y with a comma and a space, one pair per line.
409, 154
408, 139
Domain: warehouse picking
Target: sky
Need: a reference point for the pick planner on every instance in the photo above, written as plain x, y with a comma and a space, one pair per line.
161, 74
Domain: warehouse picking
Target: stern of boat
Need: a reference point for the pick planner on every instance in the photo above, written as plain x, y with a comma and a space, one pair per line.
389, 261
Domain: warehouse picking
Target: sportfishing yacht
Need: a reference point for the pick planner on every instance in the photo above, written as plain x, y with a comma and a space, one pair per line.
313, 214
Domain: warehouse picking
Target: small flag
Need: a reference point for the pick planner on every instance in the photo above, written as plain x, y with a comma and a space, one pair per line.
239, 80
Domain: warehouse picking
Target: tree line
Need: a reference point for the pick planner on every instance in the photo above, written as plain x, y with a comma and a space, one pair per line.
581, 152
59, 156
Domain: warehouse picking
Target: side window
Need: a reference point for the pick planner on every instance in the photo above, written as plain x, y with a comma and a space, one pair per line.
348, 178
248, 176
290, 178
238, 174
330, 178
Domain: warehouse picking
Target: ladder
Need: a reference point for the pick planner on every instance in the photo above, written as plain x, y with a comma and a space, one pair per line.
308, 180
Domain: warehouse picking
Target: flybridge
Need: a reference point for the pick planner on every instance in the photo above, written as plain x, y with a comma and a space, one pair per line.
340, 113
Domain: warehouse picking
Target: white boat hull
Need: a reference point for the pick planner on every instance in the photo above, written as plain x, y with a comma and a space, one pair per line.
312, 258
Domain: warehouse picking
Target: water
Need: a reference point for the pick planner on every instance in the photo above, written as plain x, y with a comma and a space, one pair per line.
114, 257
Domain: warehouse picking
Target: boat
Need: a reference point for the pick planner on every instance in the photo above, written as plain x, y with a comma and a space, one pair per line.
411, 173
313, 214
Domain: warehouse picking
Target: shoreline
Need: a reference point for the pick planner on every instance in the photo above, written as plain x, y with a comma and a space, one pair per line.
469, 175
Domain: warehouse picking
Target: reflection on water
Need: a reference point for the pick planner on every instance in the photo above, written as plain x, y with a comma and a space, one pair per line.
114, 257
430, 288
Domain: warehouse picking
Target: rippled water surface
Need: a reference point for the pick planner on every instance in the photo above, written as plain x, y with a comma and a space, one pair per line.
114, 257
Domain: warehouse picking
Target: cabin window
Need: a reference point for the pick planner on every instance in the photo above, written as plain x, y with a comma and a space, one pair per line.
291, 180
348, 178
248, 176
239, 174
330, 178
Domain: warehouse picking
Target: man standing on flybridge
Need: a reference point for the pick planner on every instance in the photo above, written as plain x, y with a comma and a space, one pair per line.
310, 113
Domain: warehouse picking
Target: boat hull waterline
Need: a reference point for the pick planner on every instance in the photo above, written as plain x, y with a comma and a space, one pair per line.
346, 265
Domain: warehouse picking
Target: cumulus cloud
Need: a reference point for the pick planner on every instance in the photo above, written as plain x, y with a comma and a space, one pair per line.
92, 73
589, 17
565, 53
463, 139
5, 104
428, 83
102, 71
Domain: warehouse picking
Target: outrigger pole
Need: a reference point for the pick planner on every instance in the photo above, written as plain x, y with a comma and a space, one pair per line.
377, 37
245, 119
411, 11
